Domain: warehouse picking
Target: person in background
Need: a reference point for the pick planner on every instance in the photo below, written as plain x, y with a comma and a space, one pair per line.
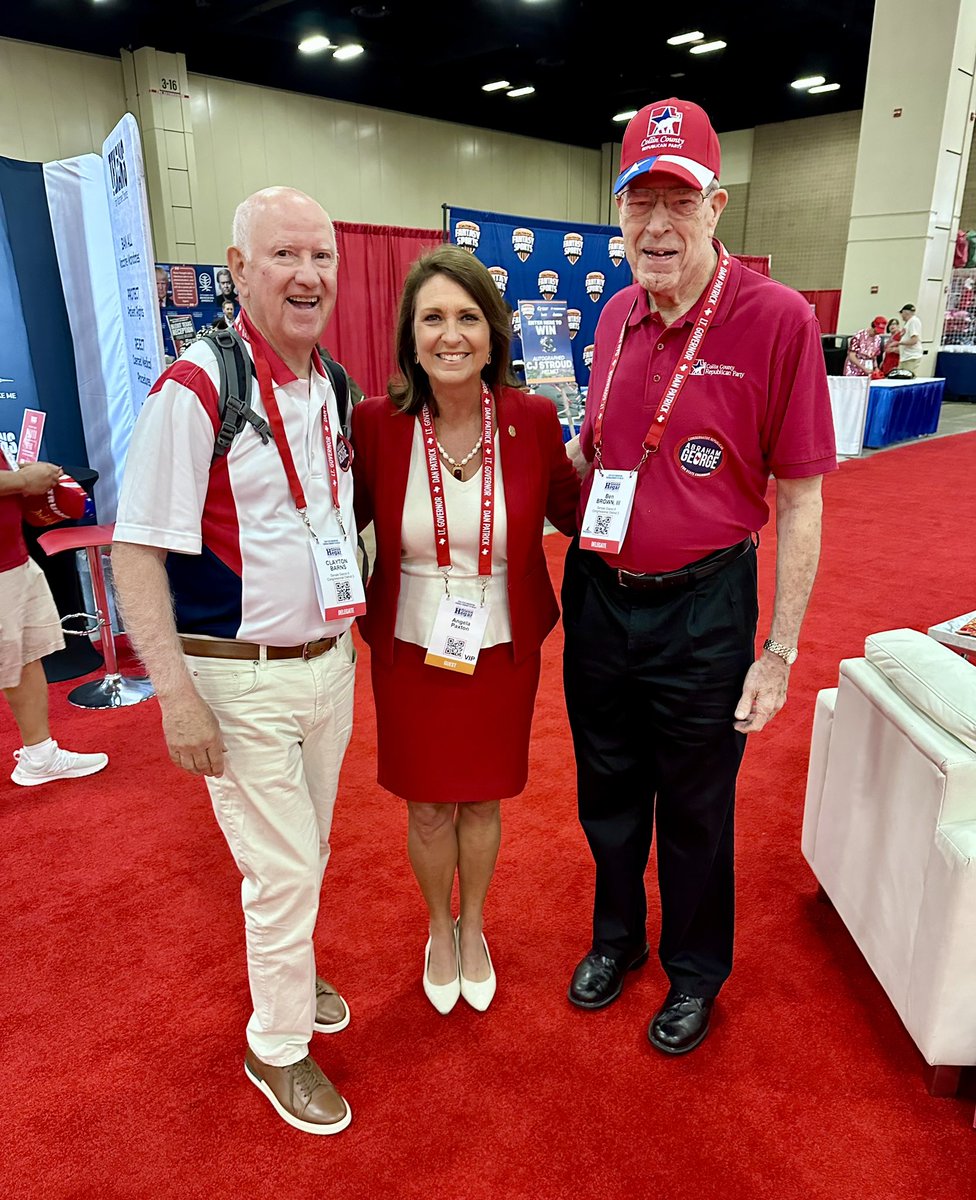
452, 438
890, 360
30, 628
239, 622
910, 344
663, 683
864, 349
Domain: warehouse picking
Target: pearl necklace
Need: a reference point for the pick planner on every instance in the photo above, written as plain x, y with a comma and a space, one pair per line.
457, 468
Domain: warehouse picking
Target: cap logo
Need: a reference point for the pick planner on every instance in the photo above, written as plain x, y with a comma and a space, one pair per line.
663, 129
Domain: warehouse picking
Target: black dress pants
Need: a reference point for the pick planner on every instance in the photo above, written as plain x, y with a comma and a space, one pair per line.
652, 679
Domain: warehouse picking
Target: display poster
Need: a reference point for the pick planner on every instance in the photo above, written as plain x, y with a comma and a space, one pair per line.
579, 264
125, 181
546, 350
190, 298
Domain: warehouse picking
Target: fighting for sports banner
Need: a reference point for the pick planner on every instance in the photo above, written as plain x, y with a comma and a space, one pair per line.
582, 265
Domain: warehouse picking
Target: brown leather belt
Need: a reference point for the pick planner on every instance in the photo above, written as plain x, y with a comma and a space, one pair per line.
228, 648
684, 577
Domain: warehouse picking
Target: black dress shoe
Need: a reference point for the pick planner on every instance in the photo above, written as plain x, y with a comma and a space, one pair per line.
681, 1023
597, 980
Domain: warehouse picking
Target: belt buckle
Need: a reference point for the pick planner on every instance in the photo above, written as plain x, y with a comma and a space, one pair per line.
305, 653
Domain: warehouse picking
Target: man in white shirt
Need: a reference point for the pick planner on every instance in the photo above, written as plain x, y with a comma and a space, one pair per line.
229, 608
910, 346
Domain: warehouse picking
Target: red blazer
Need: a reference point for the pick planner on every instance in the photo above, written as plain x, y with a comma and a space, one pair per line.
539, 482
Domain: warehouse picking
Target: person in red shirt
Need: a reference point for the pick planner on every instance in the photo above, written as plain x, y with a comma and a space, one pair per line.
890, 360
707, 378
30, 628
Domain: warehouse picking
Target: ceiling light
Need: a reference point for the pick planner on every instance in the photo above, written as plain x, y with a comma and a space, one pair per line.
681, 38
522, 91
625, 116
351, 51
496, 86
825, 87
708, 47
809, 81
314, 44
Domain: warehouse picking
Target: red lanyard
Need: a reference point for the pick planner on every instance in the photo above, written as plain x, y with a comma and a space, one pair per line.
442, 541
281, 441
669, 398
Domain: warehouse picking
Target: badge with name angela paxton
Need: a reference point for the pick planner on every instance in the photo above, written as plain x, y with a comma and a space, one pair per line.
700, 455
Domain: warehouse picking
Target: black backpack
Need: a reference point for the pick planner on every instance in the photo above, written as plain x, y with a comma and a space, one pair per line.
236, 380
234, 399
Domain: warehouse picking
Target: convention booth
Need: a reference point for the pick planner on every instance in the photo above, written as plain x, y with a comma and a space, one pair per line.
878, 412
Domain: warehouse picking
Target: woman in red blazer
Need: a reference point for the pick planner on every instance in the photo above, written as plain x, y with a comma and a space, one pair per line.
457, 472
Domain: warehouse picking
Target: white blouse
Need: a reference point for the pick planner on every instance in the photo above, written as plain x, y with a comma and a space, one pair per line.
421, 580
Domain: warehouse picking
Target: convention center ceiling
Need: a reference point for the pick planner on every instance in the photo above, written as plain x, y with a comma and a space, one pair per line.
587, 61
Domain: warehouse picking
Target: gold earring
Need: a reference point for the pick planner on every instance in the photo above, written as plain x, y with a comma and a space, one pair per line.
488, 359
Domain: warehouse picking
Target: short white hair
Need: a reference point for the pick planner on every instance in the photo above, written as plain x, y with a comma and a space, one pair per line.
247, 210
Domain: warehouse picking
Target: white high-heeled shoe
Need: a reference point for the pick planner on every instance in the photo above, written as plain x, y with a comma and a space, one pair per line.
443, 996
478, 995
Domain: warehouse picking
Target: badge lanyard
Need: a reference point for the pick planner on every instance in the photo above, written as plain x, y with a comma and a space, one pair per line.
460, 625
442, 541
606, 515
669, 398
284, 449
338, 585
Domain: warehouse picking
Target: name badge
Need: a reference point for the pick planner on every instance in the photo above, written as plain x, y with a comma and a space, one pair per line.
608, 509
458, 634
338, 584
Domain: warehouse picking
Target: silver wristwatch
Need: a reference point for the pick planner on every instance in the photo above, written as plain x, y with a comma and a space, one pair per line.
786, 653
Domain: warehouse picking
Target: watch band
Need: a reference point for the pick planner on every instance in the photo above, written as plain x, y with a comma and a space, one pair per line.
787, 653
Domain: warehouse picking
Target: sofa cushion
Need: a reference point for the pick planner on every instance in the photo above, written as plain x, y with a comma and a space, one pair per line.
929, 675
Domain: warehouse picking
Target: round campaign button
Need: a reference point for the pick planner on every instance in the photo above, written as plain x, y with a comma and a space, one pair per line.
700, 455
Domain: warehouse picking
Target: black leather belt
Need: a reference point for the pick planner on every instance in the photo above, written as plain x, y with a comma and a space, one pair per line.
230, 648
684, 577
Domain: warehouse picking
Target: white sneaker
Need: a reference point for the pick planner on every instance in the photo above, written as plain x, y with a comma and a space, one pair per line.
59, 764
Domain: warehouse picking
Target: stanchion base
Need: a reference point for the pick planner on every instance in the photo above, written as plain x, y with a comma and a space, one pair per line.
114, 691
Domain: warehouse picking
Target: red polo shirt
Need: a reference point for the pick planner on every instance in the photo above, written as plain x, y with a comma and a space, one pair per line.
755, 404
13, 548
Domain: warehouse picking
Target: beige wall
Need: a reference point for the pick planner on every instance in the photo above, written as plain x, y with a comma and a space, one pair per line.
56, 103
366, 164
800, 198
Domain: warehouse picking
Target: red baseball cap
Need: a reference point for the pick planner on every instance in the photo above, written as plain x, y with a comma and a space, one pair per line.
880, 323
670, 138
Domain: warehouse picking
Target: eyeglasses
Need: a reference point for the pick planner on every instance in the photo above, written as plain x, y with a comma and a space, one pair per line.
639, 204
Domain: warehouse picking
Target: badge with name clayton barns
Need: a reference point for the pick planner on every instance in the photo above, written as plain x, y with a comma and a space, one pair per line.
459, 630
607, 513
338, 584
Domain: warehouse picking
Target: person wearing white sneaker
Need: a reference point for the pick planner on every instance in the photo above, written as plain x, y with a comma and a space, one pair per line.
458, 472
30, 628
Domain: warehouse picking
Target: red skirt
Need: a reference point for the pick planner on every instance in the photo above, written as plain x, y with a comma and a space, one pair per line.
445, 738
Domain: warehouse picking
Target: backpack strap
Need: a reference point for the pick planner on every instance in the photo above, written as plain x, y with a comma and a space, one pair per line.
234, 395
340, 384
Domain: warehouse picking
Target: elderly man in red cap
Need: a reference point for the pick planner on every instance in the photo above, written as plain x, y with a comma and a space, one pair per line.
707, 378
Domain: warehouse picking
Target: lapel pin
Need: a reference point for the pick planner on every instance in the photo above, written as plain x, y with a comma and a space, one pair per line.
511, 431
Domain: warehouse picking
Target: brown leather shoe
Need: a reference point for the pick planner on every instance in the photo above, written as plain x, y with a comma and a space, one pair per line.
300, 1094
331, 1011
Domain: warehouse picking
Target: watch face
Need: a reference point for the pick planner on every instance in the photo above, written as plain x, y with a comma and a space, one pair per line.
791, 657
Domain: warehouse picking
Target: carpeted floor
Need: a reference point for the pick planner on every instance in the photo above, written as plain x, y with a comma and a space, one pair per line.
124, 996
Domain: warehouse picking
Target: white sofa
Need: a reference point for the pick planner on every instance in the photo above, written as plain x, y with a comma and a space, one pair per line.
889, 828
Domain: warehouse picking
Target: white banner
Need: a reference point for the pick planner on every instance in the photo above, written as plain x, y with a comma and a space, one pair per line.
125, 181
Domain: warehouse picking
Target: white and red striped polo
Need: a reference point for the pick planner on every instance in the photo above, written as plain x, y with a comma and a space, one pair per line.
239, 562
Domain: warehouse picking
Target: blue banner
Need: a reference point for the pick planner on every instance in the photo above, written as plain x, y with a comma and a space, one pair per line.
580, 264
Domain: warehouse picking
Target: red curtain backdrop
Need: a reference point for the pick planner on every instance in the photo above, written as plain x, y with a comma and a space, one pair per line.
755, 262
373, 263
826, 305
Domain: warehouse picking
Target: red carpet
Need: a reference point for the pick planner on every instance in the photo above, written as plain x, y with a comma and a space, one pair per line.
124, 997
